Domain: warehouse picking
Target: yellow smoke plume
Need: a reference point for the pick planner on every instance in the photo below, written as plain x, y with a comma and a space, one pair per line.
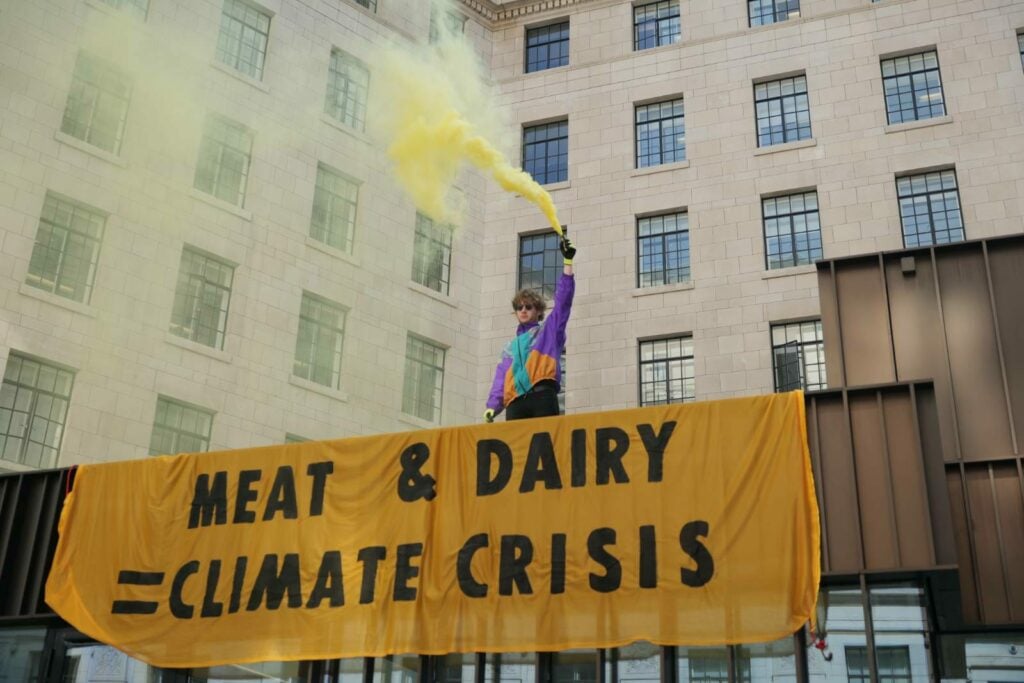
430, 108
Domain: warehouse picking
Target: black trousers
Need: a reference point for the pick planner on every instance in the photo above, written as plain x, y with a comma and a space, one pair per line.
538, 403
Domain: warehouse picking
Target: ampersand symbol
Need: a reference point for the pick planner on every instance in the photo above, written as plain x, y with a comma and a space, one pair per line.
413, 484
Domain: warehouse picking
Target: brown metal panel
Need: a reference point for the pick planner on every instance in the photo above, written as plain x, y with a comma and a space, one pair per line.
990, 578
973, 356
830, 329
1006, 265
918, 342
814, 445
907, 469
969, 590
878, 523
926, 414
864, 317
840, 515
1010, 507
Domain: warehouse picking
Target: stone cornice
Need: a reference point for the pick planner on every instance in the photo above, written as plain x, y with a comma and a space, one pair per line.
518, 8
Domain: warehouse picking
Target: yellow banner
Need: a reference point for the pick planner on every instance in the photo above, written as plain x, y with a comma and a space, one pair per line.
685, 524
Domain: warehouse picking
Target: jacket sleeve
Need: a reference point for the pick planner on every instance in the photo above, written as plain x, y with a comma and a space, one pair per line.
496, 399
559, 317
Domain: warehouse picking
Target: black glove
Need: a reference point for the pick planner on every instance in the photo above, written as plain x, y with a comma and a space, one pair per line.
568, 251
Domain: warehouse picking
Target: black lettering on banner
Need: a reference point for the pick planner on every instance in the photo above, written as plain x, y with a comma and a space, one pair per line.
470, 587
273, 584
485, 449
370, 557
209, 503
329, 583
540, 465
612, 577
516, 555
405, 570
282, 495
557, 564
648, 557
579, 458
413, 484
179, 607
318, 471
130, 577
609, 456
212, 608
246, 495
655, 445
695, 549
235, 603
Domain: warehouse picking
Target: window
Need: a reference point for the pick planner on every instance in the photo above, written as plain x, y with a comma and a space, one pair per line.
666, 371
348, 81
763, 12
655, 23
242, 43
703, 665
319, 342
453, 23
893, 664
137, 7
783, 113
432, 254
97, 106
1020, 47
200, 311
180, 428
913, 87
798, 356
930, 208
792, 231
424, 379
67, 249
34, 401
660, 133
540, 263
368, 4
663, 249
547, 47
224, 154
773, 662
546, 152
334, 209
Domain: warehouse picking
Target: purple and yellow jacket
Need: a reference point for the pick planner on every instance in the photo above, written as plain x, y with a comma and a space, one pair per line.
534, 353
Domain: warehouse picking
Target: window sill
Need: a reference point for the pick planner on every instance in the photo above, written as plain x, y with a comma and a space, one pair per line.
221, 204
112, 11
551, 69
433, 294
238, 75
331, 251
666, 46
336, 394
660, 168
195, 347
56, 300
560, 185
791, 270
83, 146
664, 289
417, 422
786, 146
923, 123
345, 128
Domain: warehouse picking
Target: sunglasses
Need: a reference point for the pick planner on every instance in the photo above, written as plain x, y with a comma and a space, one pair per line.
523, 307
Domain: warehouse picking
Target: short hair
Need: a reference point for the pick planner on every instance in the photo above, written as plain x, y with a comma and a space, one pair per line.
529, 296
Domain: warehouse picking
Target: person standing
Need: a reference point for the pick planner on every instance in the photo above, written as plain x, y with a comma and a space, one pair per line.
529, 375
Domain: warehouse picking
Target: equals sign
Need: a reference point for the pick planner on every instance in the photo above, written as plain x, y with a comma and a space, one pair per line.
132, 578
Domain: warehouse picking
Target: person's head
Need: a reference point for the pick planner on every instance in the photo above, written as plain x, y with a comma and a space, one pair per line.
528, 306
